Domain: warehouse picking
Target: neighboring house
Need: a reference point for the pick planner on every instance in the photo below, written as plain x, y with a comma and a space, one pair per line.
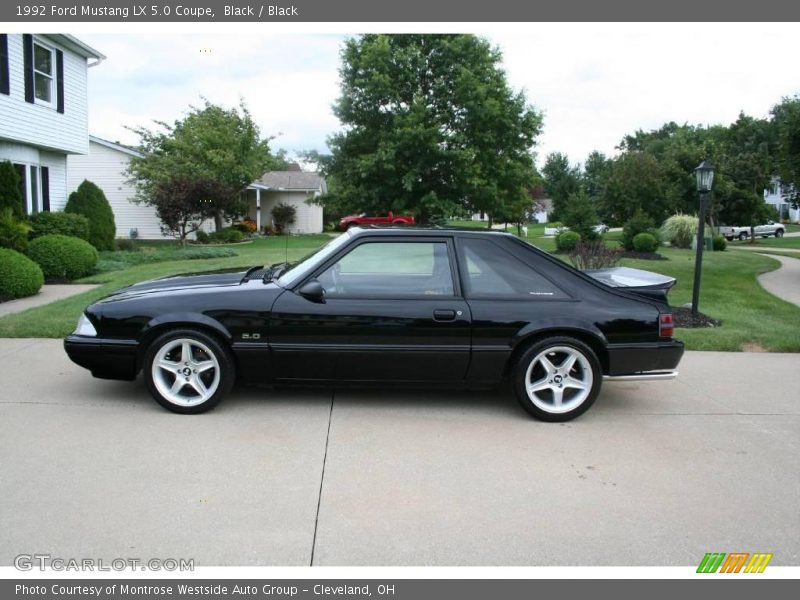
774, 195
43, 111
542, 205
294, 187
105, 165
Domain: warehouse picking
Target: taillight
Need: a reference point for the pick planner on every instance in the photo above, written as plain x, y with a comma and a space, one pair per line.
665, 325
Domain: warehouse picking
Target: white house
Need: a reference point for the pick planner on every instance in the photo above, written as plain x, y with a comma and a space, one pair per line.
105, 165
774, 195
43, 111
294, 187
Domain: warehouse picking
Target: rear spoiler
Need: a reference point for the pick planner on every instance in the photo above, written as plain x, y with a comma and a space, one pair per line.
643, 283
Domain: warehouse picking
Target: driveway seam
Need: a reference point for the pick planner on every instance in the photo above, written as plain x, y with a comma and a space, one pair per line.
322, 479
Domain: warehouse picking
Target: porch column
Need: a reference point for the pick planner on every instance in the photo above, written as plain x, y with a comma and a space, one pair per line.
258, 210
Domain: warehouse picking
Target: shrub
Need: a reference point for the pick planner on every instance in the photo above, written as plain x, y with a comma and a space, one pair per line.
567, 240
719, 243
229, 235
201, 237
645, 242
13, 232
59, 223
594, 255
283, 215
63, 257
638, 223
10, 193
115, 261
90, 201
19, 275
556, 225
126, 244
679, 230
247, 226
581, 217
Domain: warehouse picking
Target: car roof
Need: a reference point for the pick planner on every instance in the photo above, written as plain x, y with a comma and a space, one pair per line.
422, 231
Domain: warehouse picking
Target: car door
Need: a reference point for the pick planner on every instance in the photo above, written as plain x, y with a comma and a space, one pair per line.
392, 311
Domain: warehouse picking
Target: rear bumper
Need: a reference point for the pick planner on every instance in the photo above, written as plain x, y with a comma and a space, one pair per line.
631, 359
105, 358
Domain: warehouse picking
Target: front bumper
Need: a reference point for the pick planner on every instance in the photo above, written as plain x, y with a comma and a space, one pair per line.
105, 358
632, 359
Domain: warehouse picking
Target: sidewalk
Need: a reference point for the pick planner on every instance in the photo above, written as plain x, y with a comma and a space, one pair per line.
48, 294
785, 281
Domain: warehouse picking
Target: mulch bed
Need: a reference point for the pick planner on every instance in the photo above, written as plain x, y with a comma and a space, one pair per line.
684, 318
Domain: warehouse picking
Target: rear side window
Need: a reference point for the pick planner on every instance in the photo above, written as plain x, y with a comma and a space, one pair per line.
492, 272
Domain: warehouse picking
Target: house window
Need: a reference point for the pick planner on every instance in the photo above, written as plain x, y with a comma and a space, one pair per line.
43, 73
34, 183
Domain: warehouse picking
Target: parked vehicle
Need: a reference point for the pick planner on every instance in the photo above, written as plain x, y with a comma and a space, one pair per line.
363, 219
387, 306
742, 233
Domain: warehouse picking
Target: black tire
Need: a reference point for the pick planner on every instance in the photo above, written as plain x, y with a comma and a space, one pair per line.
779, 233
220, 351
520, 373
743, 236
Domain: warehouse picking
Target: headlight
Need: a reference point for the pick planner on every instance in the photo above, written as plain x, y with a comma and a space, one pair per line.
85, 327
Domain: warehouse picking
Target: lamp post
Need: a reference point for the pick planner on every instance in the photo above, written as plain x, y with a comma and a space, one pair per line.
705, 178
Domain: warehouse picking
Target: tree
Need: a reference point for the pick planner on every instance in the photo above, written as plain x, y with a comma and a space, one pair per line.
182, 204
210, 144
561, 180
90, 201
431, 127
10, 192
284, 216
786, 127
580, 216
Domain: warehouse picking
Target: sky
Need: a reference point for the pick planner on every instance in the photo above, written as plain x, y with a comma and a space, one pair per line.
594, 82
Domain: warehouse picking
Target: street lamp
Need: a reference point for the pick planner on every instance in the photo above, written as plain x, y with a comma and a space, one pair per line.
705, 178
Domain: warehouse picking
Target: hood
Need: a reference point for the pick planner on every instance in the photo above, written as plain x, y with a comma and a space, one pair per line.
221, 278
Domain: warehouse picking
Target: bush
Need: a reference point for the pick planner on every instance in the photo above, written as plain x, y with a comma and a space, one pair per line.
116, 261
594, 255
556, 225
63, 257
201, 237
59, 223
283, 215
645, 242
719, 243
19, 275
581, 217
10, 194
679, 230
90, 201
638, 223
247, 226
567, 240
13, 232
229, 235
126, 244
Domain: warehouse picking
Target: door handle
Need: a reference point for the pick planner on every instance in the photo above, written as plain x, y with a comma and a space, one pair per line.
441, 314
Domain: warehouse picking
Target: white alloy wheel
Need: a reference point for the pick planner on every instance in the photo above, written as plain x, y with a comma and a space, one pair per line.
185, 372
559, 379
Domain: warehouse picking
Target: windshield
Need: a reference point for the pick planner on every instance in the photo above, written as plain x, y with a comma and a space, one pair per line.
297, 270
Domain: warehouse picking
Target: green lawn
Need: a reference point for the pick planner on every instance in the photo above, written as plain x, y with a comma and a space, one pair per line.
771, 242
730, 292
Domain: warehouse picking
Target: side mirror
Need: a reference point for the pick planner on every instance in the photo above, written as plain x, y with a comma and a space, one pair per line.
312, 290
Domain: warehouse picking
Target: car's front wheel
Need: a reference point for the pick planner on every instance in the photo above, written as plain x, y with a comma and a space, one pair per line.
557, 379
779, 233
743, 236
188, 371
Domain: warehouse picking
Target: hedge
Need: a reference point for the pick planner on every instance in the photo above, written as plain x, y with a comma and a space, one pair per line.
59, 223
567, 240
19, 275
90, 201
63, 257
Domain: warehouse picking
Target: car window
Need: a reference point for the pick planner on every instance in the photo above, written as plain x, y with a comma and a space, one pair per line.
391, 269
494, 272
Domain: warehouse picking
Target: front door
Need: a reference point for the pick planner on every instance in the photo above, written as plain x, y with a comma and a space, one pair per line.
393, 311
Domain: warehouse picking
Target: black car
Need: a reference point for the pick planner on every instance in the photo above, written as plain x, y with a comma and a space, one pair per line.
378, 306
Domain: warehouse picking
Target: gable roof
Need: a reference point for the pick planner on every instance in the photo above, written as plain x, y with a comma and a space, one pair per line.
114, 146
293, 180
70, 42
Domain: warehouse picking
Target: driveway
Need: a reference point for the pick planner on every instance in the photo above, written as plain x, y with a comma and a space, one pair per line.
656, 473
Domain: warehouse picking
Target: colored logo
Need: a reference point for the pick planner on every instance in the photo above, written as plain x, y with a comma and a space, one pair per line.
735, 562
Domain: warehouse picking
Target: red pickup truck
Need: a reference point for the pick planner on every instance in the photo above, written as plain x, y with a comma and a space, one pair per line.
363, 219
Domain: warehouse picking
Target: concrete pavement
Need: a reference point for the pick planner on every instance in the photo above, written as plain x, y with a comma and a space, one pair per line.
784, 282
49, 293
655, 473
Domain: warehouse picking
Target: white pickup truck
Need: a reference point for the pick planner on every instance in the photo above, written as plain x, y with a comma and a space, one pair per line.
742, 233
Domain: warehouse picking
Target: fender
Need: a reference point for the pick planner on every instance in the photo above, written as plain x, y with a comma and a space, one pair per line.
186, 318
559, 324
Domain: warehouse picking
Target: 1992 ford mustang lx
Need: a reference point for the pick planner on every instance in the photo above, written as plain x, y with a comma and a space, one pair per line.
382, 306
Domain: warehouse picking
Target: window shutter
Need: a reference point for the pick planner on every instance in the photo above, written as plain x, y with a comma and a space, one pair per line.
46, 189
4, 87
59, 81
27, 56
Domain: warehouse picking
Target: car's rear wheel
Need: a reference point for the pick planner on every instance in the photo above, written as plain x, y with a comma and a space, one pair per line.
742, 236
557, 379
188, 371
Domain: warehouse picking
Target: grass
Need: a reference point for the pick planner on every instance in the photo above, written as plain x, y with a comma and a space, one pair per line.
771, 242
730, 292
